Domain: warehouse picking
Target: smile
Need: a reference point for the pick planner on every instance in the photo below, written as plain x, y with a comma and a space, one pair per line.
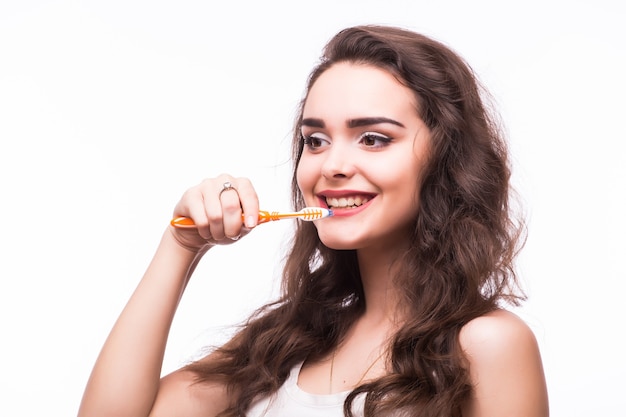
346, 202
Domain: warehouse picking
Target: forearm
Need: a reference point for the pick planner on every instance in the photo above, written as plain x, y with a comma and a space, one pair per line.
125, 378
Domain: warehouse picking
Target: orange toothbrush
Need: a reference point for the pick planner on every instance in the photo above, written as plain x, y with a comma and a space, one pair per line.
307, 214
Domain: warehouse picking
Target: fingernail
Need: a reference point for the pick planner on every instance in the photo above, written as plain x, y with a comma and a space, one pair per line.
250, 221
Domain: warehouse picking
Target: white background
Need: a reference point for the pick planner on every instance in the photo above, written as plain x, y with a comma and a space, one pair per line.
110, 110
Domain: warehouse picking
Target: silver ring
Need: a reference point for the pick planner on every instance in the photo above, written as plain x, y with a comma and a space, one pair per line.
227, 186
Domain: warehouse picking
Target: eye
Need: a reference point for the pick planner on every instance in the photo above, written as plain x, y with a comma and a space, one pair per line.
315, 141
374, 140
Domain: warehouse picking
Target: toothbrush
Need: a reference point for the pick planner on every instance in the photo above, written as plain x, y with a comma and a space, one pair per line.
307, 214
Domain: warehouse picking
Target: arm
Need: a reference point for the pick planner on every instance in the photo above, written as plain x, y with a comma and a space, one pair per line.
505, 368
125, 380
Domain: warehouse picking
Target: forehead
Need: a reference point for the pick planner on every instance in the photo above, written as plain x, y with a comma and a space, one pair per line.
358, 90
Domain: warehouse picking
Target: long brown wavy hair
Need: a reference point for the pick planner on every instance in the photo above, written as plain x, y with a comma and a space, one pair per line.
459, 265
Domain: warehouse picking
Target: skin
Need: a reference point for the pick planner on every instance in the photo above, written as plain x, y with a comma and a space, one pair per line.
366, 140
340, 160
505, 367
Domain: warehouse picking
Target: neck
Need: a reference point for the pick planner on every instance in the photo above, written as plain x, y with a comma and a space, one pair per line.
382, 297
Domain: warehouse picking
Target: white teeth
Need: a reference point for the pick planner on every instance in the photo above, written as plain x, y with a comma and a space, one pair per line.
346, 202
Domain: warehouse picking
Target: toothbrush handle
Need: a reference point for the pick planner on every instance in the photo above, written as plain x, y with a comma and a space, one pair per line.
264, 217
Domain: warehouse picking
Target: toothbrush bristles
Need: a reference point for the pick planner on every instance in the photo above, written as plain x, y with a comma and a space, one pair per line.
315, 213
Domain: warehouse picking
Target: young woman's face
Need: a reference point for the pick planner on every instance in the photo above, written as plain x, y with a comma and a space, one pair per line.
365, 147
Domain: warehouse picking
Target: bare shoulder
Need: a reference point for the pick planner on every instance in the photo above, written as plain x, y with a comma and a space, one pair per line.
180, 395
498, 330
505, 367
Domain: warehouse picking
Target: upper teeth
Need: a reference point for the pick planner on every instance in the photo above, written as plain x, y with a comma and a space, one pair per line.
346, 201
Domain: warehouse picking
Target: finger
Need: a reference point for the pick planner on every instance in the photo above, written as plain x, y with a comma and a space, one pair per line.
231, 209
249, 202
212, 202
192, 205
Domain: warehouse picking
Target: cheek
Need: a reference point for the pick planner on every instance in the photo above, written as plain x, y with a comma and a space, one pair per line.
303, 176
307, 175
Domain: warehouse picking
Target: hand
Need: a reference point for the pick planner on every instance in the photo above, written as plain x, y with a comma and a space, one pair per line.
217, 212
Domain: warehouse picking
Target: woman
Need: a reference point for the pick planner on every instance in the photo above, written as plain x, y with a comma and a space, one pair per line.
392, 306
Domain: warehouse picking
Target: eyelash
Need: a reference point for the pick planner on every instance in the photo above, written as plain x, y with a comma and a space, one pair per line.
313, 142
377, 137
308, 141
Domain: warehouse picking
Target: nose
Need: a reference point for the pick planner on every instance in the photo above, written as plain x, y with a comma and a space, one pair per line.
338, 162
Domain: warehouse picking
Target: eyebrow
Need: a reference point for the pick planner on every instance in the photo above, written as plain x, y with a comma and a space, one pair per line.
359, 122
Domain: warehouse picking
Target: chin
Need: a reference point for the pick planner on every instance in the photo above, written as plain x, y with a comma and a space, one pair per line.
333, 242
339, 245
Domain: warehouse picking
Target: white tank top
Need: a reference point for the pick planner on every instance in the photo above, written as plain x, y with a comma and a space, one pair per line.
291, 401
